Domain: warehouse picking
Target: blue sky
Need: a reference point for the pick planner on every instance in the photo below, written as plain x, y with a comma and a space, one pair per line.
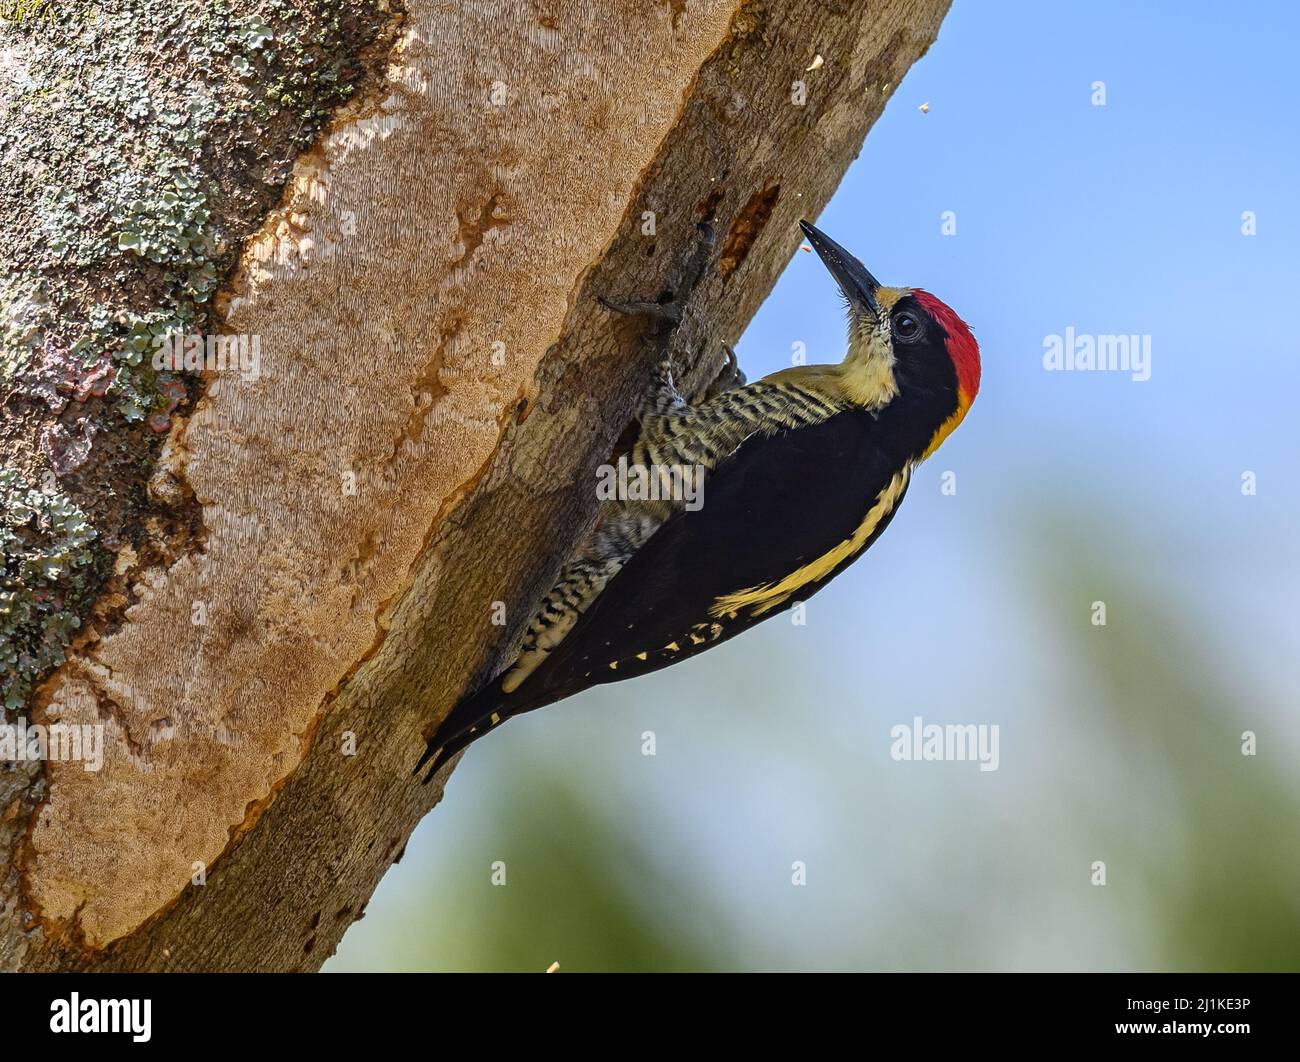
1123, 218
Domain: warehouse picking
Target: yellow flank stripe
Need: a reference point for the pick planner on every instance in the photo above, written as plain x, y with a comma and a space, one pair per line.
763, 598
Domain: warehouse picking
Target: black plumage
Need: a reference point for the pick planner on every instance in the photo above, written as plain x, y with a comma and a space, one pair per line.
779, 502
782, 514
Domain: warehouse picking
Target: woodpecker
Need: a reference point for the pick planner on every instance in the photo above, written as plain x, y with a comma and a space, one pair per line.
803, 470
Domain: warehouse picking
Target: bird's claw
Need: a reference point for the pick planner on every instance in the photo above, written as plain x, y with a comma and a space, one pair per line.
729, 376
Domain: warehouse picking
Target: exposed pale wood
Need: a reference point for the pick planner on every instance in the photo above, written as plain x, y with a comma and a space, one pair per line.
332, 614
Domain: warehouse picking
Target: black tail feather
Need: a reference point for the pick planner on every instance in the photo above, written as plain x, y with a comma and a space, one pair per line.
480, 713
457, 730
440, 752
472, 717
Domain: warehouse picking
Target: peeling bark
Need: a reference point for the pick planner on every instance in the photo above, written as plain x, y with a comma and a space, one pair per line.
437, 385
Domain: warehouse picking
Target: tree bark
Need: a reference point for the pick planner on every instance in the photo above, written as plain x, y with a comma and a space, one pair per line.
294, 573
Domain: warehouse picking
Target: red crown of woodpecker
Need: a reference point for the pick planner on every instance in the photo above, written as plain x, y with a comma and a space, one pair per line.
962, 348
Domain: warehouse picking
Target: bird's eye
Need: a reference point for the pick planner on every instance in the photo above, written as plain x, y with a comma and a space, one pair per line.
907, 326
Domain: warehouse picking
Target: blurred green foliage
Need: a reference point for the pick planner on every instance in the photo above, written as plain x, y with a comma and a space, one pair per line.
1142, 767
1213, 834
559, 882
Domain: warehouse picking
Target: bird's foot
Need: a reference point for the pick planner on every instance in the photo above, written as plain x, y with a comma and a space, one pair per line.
730, 376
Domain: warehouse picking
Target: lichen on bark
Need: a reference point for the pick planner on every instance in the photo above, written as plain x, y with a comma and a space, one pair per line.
482, 220
143, 141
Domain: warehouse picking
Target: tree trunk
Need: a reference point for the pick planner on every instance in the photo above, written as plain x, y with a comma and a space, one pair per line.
267, 580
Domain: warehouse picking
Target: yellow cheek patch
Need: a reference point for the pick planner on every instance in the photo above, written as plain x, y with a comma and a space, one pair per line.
867, 375
765, 598
949, 425
868, 368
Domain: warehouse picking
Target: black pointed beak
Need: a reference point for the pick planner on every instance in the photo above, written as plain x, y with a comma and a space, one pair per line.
858, 285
